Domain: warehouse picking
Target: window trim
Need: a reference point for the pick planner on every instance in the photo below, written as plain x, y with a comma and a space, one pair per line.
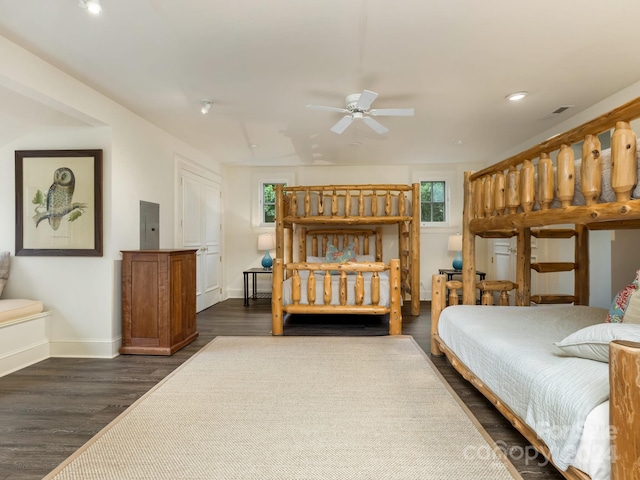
449, 184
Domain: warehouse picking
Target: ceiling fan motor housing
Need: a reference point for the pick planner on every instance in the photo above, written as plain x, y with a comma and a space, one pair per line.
352, 101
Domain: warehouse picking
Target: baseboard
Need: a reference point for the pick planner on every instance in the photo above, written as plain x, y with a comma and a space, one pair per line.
86, 348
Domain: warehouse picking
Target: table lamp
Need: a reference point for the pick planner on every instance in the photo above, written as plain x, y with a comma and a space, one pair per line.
455, 245
266, 242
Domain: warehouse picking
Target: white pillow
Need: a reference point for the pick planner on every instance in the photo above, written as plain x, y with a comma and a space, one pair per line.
593, 342
312, 259
365, 258
5, 261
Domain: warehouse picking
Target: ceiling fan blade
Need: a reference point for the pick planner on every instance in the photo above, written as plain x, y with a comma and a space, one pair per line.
391, 112
328, 109
375, 125
366, 99
342, 124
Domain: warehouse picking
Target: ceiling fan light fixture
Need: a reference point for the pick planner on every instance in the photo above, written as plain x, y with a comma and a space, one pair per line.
516, 96
206, 106
92, 6
358, 107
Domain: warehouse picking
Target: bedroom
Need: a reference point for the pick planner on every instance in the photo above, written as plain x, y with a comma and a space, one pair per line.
61, 112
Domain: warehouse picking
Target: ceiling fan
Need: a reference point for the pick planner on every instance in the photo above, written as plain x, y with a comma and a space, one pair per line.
358, 107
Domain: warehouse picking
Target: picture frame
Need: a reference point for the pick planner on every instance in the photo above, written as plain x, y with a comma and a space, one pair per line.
58, 203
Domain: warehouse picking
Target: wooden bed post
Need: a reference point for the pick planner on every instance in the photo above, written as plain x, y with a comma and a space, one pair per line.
277, 320
438, 303
624, 379
468, 246
581, 272
523, 267
279, 222
415, 250
395, 313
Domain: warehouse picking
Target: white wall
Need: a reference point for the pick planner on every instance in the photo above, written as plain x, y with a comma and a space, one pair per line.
241, 193
84, 293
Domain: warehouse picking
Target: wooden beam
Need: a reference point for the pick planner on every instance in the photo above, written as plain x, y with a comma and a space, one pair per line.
624, 379
468, 245
553, 232
552, 267
438, 303
523, 268
582, 215
581, 273
552, 299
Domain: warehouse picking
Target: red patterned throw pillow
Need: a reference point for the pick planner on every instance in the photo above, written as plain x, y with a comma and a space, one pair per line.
621, 301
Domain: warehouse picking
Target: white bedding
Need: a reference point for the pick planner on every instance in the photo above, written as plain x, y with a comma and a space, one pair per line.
335, 297
511, 350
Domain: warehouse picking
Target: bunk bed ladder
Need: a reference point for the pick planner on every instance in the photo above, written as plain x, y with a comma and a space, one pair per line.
578, 266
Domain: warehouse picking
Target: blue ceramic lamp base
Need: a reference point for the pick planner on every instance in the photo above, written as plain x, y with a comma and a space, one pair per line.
267, 261
457, 262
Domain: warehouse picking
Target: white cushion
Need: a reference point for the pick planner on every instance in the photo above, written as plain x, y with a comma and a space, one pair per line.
11, 309
593, 342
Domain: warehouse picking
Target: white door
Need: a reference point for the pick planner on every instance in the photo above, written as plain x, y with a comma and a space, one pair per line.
201, 228
504, 262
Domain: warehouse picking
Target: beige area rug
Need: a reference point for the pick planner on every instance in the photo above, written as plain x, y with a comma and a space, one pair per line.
295, 408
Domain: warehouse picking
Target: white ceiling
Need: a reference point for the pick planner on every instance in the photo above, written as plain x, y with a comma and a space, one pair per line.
261, 62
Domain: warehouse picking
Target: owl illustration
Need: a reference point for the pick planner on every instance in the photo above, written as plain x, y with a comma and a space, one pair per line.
59, 196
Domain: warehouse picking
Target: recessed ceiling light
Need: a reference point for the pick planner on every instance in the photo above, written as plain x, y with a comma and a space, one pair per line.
92, 6
459, 142
254, 145
514, 97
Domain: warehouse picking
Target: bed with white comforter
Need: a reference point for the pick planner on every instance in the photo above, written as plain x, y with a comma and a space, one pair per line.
564, 399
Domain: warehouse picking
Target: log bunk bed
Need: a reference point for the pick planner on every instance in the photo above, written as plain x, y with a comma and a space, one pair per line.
502, 201
316, 218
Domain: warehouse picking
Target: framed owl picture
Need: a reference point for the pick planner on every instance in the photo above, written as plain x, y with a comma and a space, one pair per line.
59, 202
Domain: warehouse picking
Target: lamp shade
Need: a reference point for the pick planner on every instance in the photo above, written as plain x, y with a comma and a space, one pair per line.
455, 243
266, 241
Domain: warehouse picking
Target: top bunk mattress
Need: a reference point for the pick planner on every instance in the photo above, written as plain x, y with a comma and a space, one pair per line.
511, 349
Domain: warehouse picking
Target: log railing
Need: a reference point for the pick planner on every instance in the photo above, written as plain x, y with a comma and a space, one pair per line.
348, 203
507, 196
322, 273
318, 240
509, 187
487, 287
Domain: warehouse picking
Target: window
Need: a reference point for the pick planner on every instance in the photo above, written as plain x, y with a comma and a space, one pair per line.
263, 196
433, 207
269, 202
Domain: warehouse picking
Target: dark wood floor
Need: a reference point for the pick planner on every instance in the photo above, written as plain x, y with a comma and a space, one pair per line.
50, 409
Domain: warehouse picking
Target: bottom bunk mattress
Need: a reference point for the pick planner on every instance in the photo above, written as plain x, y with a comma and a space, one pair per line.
335, 289
560, 397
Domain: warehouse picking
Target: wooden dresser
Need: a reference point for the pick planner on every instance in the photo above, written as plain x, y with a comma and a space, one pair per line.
158, 301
